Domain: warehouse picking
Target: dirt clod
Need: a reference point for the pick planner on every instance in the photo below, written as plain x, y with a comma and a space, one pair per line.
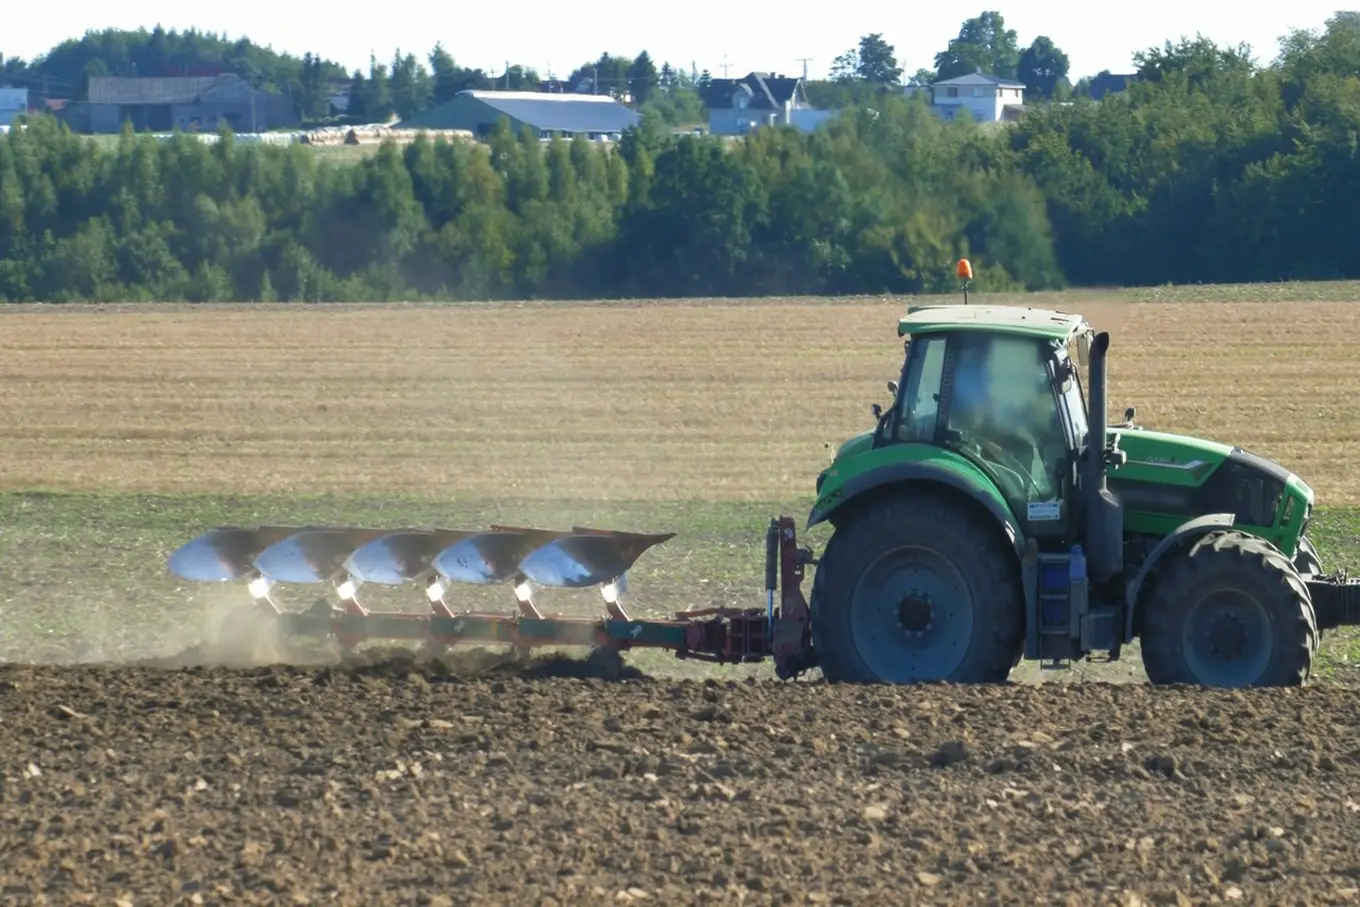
544, 781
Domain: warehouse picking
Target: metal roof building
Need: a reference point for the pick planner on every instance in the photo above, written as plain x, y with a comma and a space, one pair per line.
596, 116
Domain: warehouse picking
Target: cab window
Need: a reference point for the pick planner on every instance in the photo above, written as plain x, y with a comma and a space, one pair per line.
1004, 410
918, 399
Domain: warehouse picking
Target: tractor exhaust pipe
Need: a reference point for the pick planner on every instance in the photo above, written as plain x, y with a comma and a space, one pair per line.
1104, 514
1098, 416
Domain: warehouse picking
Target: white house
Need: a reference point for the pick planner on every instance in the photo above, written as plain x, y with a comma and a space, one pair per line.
986, 98
13, 101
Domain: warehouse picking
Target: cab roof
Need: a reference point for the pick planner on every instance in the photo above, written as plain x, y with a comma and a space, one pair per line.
1026, 321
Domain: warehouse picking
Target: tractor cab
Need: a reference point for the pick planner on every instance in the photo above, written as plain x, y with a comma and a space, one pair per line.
998, 386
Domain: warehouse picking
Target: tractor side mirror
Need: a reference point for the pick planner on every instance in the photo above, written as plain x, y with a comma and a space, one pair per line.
892, 388
1084, 348
877, 411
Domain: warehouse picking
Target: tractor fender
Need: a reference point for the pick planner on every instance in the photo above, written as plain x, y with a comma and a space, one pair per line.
1187, 531
855, 488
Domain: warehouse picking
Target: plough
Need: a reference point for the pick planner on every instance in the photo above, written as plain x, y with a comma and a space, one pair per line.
347, 559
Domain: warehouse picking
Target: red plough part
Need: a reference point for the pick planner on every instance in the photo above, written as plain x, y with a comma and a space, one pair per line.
523, 558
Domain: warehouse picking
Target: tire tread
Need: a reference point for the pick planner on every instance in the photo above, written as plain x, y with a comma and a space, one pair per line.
1187, 570
922, 514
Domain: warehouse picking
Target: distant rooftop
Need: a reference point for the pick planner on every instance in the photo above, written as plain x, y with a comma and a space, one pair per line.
155, 89
491, 94
554, 112
767, 91
974, 78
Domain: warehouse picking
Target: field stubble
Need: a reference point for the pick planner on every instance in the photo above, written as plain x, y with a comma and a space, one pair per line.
699, 401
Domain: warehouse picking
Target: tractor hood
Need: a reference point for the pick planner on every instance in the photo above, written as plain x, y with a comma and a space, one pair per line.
1167, 454
1157, 458
1164, 453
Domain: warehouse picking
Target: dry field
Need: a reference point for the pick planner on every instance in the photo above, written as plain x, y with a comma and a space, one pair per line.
128, 430
701, 401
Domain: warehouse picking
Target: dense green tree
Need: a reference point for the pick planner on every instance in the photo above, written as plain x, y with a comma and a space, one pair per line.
1043, 67
1209, 167
311, 94
65, 70
411, 86
1197, 61
983, 43
377, 102
642, 78
873, 60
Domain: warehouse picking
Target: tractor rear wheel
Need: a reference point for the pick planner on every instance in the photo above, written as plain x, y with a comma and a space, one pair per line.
914, 588
1229, 611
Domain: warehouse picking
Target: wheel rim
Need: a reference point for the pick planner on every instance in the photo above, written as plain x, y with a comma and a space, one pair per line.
911, 616
1227, 639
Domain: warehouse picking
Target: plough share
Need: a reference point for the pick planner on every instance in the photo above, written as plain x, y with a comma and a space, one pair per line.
347, 559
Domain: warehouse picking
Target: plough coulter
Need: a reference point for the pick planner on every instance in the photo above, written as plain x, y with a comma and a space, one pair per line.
992, 513
439, 560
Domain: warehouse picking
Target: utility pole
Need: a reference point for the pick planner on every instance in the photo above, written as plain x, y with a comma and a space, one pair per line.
804, 61
724, 66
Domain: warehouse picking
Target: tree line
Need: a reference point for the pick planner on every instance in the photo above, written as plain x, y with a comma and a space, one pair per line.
1208, 168
407, 84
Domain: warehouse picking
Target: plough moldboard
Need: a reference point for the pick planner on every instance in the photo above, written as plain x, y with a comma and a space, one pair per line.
522, 558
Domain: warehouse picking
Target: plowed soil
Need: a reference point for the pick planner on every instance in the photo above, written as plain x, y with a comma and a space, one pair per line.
406, 782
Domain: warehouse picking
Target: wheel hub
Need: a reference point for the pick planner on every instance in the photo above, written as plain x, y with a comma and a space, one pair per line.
912, 615
1228, 636
915, 613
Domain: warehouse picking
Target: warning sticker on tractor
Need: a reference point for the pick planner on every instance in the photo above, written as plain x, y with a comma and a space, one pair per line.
1043, 511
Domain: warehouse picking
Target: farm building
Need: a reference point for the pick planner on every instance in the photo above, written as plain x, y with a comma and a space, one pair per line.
595, 116
179, 102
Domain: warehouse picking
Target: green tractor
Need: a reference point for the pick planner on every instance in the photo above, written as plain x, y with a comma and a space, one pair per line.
981, 522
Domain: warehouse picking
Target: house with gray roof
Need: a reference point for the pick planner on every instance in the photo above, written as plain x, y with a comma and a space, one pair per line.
188, 103
737, 106
548, 114
983, 97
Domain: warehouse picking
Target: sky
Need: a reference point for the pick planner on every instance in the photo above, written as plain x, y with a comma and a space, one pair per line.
707, 34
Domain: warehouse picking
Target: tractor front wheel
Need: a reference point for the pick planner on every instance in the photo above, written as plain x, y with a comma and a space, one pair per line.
1306, 559
916, 587
1229, 611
